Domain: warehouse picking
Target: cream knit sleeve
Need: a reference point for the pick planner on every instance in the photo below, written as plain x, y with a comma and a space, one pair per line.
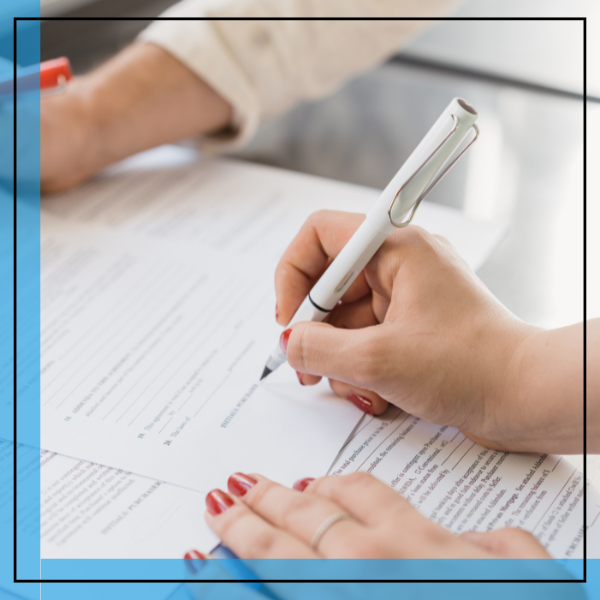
265, 66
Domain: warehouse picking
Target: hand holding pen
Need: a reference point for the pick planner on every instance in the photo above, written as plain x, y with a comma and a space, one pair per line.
413, 325
395, 208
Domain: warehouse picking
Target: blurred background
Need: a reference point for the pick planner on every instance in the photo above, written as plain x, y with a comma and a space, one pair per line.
526, 79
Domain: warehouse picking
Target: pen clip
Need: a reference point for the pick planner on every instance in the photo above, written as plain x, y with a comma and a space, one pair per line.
428, 189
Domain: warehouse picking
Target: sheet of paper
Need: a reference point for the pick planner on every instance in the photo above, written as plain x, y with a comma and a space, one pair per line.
91, 511
464, 486
254, 209
150, 362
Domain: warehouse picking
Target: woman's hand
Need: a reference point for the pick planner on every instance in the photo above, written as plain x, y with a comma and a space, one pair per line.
418, 329
262, 519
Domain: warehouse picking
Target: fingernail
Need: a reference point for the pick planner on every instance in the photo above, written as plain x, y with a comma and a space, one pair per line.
361, 402
194, 561
217, 501
301, 484
238, 484
276, 312
284, 339
299, 375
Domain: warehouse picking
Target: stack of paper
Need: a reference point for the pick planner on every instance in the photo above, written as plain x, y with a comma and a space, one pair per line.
157, 318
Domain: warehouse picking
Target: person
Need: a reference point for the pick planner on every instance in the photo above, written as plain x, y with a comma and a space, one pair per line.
417, 329
216, 80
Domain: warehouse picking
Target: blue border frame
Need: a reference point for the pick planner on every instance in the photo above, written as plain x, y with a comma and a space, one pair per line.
26, 296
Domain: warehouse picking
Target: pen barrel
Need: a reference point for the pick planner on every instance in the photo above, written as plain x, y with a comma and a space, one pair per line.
346, 267
425, 163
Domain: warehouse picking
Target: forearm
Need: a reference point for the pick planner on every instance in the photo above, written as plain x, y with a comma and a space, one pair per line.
140, 99
546, 391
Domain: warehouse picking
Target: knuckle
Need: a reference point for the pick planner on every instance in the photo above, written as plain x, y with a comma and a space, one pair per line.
359, 478
298, 506
367, 547
434, 535
441, 239
338, 487
369, 364
296, 350
317, 217
229, 521
256, 495
258, 545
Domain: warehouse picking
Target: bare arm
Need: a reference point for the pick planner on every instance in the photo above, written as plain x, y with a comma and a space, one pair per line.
548, 386
141, 98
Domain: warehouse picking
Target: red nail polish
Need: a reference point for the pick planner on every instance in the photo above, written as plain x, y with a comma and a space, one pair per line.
238, 484
194, 561
195, 554
300, 375
284, 339
361, 402
301, 484
217, 501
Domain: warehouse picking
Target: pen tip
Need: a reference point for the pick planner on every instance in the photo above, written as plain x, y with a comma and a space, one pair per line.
266, 372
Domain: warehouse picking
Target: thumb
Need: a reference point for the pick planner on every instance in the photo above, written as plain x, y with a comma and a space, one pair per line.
348, 355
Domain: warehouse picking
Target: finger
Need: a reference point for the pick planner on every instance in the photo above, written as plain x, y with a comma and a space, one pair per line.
509, 542
369, 402
347, 315
320, 239
365, 497
410, 250
250, 536
354, 315
301, 515
308, 379
353, 356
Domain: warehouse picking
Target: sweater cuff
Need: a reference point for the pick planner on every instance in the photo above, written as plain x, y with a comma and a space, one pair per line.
196, 44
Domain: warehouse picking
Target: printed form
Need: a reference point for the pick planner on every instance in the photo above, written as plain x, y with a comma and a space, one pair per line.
247, 208
150, 362
466, 487
150, 357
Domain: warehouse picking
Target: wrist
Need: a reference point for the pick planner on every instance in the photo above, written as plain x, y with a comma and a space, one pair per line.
542, 405
69, 144
506, 426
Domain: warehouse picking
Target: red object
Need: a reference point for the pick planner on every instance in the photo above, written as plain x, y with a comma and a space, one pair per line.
361, 402
238, 484
284, 339
195, 554
302, 484
54, 72
217, 501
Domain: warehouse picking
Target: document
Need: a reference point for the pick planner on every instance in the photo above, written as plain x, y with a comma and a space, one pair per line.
253, 209
157, 317
466, 487
151, 355
91, 511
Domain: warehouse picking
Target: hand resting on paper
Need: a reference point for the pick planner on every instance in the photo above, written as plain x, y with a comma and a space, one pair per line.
419, 329
262, 519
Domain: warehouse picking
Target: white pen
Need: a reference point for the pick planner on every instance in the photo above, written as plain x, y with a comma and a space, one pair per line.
394, 208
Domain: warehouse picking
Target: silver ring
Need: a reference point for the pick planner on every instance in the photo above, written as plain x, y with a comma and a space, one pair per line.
325, 525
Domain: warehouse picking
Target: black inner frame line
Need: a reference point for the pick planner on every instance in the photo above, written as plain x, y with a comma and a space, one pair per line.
515, 82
